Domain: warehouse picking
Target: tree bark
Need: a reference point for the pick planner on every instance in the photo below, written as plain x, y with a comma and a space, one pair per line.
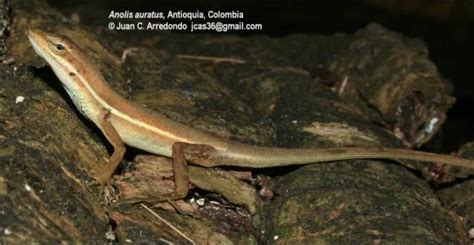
297, 91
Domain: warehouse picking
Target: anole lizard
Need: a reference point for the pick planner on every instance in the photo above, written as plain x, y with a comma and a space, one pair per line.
122, 122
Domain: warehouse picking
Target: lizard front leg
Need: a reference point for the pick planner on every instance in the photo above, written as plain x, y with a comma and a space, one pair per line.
103, 176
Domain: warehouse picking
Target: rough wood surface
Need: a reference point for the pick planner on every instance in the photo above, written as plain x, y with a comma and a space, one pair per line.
297, 91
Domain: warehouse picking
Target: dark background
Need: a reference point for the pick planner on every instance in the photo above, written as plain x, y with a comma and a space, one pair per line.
447, 26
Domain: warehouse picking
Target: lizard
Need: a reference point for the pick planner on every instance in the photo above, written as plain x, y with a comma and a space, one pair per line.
124, 123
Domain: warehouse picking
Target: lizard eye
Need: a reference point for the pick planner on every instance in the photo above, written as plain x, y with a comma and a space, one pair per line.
60, 47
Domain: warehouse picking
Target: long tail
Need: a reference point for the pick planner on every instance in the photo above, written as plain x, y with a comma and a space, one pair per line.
261, 157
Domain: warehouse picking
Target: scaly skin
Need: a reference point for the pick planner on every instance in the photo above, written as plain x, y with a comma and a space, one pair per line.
122, 122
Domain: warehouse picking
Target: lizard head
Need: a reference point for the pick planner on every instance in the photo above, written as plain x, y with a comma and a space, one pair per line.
68, 62
60, 52
55, 49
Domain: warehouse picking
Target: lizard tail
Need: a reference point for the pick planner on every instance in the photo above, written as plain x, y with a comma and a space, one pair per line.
262, 157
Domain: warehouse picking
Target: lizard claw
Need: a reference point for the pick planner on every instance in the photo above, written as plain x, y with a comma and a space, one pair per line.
106, 189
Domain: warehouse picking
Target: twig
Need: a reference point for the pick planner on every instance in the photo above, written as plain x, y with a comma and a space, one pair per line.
167, 223
210, 58
343, 85
127, 52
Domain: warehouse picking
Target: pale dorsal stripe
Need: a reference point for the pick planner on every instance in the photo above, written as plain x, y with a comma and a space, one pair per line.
120, 114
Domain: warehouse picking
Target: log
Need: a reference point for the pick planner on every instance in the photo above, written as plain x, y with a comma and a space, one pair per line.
288, 92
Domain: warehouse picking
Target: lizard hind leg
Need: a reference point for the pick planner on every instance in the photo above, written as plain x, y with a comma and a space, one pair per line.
181, 153
180, 169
